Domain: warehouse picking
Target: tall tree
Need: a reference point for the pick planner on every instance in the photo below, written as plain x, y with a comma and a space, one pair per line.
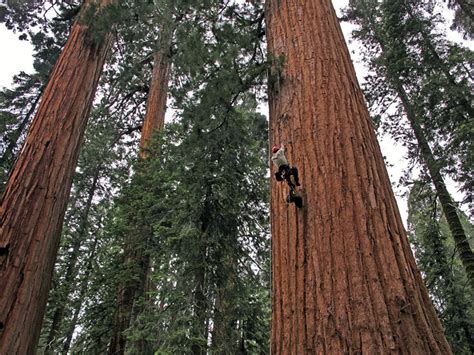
102, 166
157, 96
71, 269
35, 197
210, 237
344, 277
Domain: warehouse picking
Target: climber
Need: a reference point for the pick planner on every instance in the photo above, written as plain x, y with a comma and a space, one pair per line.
284, 170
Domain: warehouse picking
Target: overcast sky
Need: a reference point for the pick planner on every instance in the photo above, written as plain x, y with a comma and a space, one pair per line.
17, 56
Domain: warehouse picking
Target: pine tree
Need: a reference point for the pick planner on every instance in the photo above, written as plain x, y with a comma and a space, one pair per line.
443, 275
344, 277
463, 16
207, 207
35, 196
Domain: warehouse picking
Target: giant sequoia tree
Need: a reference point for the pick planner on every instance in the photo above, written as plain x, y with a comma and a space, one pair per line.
344, 278
35, 197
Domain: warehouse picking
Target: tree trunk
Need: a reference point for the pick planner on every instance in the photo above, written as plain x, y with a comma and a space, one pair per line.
225, 336
344, 277
35, 198
449, 208
156, 103
82, 293
133, 254
8, 153
200, 328
70, 274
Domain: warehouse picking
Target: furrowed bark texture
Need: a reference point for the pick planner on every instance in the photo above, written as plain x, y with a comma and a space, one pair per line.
344, 277
34, 201
134, 257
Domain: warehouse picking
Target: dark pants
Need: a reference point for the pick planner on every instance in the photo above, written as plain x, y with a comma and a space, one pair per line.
285, 172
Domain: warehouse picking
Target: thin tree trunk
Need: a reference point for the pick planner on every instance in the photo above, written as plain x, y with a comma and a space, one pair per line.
225, 335
70, 274
223, 338
133, 253
35, 198
449, 208
200, 329
82, 293
344, 277
8, 153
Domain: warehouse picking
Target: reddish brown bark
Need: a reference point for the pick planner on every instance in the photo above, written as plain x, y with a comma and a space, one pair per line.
344, 277
135, 260
156, 103
34, 201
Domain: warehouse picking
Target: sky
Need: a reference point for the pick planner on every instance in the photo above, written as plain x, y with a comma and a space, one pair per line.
18, 57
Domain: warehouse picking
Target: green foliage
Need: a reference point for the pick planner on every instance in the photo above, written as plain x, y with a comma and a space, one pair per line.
210, 218
17, 107
443, 275
463, 20
197, 208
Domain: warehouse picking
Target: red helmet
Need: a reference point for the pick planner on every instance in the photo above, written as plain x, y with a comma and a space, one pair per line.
275, 149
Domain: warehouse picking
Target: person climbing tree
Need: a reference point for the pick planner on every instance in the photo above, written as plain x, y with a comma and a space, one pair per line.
284, 170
